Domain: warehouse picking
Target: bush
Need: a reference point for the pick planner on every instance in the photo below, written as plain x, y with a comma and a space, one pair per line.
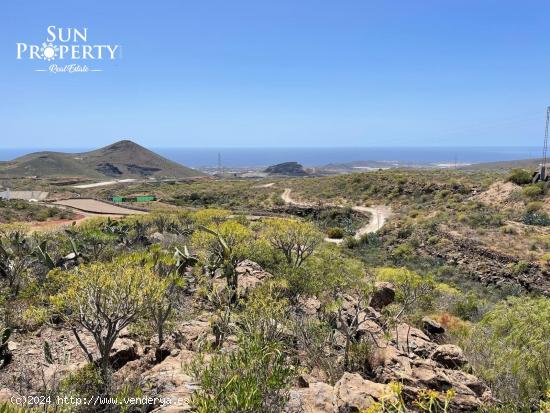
253, 378
534, 206
539, 218
509, 348
520, 177
532, 191
335, 232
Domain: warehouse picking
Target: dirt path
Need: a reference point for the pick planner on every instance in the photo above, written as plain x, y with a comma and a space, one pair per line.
79, 218
378, 215
269, 185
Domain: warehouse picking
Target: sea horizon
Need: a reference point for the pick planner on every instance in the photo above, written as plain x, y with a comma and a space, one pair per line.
254, 157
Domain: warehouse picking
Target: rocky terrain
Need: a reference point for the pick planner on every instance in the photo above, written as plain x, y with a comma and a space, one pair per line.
418, 359
488, 266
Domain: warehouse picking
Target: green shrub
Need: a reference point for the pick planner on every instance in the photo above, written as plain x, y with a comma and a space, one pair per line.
520, 176
539, 218
468, 307
532, 191
335, 232
509, 349
85, 382
520, 267
534, 206
253, 378
10, 408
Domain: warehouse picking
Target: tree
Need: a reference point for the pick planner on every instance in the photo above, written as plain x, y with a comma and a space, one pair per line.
327, 274
411, 289
225, 248
103, 299
165, 287
296, 240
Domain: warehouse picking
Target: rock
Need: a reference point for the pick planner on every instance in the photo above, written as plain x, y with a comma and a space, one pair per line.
431, 326
384, 294
470, 381
319, 397
449, 355
162, 352
170, 381
194, 331
250, 275
123, 351
409, 339
7, 395
355, 394
156, 236
308, 305
430, 378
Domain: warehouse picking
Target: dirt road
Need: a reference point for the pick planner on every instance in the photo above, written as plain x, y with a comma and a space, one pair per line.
378, 215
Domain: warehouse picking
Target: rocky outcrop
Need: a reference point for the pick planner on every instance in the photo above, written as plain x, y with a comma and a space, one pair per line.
287, 169
402, 353
355, 394
408, 356
449, 355
383, 295
488, 266
432, 327
170, 381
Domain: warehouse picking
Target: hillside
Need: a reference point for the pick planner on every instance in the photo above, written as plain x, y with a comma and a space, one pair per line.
123, 159
286, 169
531, 164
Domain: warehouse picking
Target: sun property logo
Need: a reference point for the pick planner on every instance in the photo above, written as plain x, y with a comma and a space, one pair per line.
66, 50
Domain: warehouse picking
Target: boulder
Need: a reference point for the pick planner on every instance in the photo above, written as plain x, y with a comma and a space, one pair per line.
194, 331
355, 394
449, 355
384, 294
319, 397
170, 381
409, 339
431, 326
308, 305
123, 351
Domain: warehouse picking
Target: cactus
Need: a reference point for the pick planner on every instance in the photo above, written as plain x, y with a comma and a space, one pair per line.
44, 256
223, 259
5, 353
48, 356
184, 259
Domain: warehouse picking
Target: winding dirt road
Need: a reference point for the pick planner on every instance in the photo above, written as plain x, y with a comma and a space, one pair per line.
378, 214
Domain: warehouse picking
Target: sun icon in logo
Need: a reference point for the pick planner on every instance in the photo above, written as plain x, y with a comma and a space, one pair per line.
49, 51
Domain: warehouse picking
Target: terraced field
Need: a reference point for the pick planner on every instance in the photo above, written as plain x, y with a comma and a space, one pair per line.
97, 207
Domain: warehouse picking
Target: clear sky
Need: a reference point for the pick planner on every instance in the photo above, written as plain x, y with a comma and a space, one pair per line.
282, 73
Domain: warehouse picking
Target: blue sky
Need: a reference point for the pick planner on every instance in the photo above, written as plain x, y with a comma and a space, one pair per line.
282, 73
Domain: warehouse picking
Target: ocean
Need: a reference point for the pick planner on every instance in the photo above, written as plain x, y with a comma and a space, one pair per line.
259, 157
